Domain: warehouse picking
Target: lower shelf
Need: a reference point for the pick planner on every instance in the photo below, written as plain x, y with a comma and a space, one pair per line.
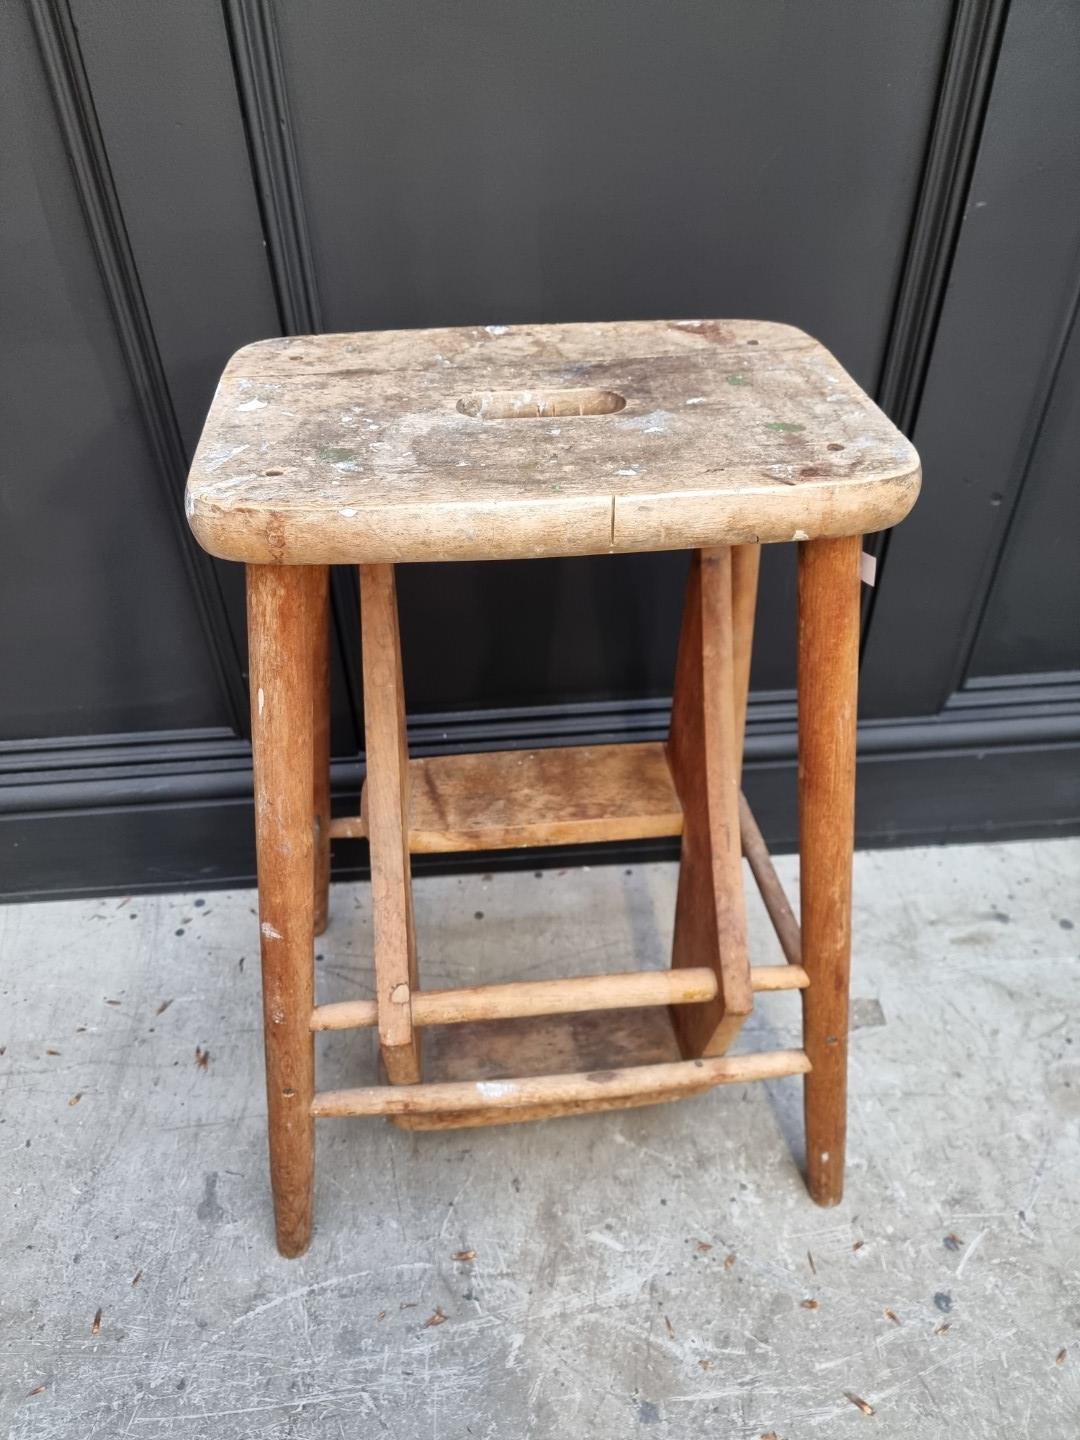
506, 799
585, 1042
580, 1063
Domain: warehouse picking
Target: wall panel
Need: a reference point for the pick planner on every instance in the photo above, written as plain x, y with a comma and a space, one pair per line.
900, 180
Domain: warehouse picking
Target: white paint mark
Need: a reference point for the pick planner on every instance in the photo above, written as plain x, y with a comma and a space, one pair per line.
305, 1290
348, 512
654, 423
696, 400
632, 471
979, 1238
556, 431
189, 503
255, 404
217, 458
261, 699
346, 465
802, 535
495, 1089
825, 1157
602, 1239
219, 487
868, 569
497, 329
269, 931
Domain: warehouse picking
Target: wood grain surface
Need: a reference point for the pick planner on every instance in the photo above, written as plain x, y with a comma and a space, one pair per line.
387, 446
828, 684
282, 606
392, 918
560, 796
710, 909
500, 1071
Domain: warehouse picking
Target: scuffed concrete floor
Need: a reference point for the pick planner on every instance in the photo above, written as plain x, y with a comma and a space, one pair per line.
659, 1272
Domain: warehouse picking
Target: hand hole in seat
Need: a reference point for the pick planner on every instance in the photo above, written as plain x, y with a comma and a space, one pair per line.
539, 404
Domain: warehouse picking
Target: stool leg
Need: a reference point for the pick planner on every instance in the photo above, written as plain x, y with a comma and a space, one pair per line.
282, 601
828, 682
320, 658
710, 913
387, 809
745, 566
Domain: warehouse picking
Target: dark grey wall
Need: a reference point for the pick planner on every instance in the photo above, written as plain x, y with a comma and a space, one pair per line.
190, 175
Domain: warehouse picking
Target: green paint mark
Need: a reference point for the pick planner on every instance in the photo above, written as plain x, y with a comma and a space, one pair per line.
334, 456
737, 379
785, 427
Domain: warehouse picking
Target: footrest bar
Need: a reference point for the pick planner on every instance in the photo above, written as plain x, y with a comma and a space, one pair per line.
778, 977
635, 989
348, 827
768, 882
597, 1087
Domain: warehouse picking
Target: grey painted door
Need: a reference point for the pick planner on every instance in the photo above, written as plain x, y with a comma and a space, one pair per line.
189, 176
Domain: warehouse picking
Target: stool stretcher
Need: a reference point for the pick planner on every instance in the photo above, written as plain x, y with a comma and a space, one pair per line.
643, 1083
521, 998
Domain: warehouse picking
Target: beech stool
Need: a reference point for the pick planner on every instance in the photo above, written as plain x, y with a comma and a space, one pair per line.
512, 442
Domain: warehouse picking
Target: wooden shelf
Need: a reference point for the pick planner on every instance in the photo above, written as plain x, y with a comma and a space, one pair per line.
507, 799
585, 1042
507, 1071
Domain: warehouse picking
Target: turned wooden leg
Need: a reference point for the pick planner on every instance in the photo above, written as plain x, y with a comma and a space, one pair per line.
828, 683
282, 604
386, 791
710, 914
320, 660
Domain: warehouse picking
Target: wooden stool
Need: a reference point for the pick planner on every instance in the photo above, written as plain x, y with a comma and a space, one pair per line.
511, 443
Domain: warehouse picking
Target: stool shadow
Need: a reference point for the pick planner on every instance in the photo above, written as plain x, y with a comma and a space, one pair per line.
763, 1029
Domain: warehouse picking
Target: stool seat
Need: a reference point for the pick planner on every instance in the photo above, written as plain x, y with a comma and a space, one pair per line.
509, 442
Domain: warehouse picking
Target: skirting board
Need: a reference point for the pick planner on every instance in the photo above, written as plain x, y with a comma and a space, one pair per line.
177, 814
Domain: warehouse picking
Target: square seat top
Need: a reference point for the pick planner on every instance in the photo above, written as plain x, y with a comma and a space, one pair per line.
515, 441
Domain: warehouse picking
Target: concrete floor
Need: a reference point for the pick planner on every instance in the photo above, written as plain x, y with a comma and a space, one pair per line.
656, 1271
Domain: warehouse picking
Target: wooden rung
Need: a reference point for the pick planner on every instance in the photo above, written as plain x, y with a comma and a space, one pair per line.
532, 997
557, 997
348, 827
769, 887
598, 1087
778, 977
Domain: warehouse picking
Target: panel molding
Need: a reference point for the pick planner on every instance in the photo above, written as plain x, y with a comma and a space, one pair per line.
173, 809
264, 104
1046, 393
955, 134
956, 130
77, 121
997, 342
